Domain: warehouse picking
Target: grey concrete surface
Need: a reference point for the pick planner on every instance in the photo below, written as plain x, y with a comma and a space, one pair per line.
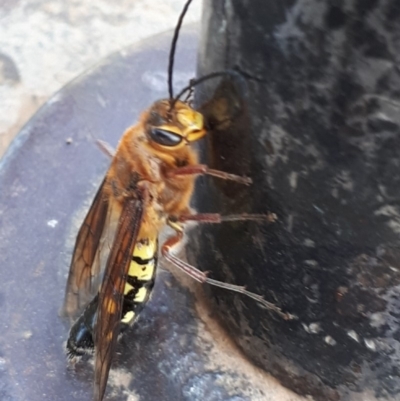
46, 43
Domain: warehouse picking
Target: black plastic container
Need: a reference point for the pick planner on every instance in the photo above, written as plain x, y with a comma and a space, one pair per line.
318, 132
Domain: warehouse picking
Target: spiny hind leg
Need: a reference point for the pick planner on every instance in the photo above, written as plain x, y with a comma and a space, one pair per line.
198, 275
216, 218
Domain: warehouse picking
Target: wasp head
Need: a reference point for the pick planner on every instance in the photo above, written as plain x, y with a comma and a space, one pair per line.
171, 128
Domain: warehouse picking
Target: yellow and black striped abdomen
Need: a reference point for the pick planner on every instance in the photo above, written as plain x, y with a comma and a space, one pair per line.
140, 280
139, 283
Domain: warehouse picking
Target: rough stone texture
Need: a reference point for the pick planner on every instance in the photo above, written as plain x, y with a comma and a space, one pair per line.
46, 43
319, 133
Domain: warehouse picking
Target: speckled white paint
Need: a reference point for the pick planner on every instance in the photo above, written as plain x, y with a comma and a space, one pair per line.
393, 213
308, 12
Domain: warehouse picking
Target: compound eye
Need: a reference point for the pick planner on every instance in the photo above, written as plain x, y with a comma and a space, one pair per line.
165, 138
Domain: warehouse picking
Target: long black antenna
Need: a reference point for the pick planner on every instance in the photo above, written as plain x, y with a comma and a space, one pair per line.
173, 47
232, 73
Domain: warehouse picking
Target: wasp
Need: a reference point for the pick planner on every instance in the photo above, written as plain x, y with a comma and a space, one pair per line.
148, 186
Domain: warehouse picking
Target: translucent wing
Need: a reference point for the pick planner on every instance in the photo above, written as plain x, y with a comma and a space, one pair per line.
112, 289
85, 261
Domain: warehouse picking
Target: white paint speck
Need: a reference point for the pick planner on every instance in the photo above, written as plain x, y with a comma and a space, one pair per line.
344, 180
26, 335
311, 263
383, 117
222, 27
312, 328
293, 180
387, 210
309, 243
315, 328
393, 213
52, 223
370, 344
353, 335
318, 209
290, 222
377, 319
330, 340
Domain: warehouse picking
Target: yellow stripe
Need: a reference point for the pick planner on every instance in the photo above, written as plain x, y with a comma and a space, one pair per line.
145, 272
127, 288
142, 272
145, 251
129, 316
141, 295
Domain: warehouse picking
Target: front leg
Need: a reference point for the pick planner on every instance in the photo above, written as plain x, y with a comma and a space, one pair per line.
202, 169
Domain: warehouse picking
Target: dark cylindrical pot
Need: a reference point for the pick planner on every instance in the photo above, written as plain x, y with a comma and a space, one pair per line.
318, 132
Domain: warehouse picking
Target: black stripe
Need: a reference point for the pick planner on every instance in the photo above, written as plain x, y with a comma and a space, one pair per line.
130, 306
136, 283
141, 261
129, 303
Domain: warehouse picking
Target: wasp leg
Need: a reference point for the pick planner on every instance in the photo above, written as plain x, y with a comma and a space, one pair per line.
198, 275
216, 218
202, 169
106, 148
